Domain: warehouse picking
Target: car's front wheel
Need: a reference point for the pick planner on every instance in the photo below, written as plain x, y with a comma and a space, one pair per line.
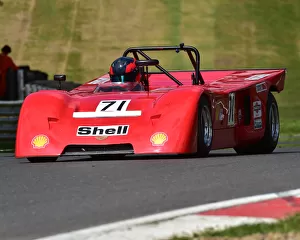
205, 128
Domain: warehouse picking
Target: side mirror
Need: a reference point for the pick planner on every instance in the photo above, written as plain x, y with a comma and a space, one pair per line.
59, 78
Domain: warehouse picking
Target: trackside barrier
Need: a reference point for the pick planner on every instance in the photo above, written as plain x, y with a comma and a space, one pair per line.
9, 114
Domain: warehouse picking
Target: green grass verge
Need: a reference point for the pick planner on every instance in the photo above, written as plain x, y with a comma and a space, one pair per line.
82, 40
290, 224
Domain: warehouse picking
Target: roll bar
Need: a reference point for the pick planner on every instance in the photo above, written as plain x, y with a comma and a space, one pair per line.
196, 77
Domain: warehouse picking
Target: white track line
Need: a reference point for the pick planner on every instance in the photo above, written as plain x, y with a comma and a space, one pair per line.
125, 228
185, 225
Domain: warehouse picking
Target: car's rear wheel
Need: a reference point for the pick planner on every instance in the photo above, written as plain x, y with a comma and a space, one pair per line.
41, 159
272, 128
205, 128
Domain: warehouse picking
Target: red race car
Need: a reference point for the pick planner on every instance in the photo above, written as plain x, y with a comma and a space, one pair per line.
132, 110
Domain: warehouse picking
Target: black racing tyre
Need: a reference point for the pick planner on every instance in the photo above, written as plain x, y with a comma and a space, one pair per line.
272, 128
11, 92
24, 67
205, 128
41, 159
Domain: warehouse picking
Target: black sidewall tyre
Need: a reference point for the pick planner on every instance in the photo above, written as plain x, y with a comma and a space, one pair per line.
268, 144
203, 149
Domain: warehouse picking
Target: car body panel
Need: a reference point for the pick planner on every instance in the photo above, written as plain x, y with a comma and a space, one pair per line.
58, 124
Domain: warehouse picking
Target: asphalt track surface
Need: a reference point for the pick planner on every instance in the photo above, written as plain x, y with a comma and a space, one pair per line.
38, 200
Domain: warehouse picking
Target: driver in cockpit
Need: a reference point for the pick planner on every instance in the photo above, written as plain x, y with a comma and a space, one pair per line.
124, 70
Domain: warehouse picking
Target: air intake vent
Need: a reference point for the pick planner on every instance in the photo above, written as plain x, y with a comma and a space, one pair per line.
81, 150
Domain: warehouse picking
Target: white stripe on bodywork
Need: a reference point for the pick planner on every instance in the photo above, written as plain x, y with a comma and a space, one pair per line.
107, 114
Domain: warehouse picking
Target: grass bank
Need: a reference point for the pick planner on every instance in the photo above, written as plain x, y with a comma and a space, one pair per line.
81, 39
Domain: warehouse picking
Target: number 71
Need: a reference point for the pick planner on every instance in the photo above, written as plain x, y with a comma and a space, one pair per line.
112, 105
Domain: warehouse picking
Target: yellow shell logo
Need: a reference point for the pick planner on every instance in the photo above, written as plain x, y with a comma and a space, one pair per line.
159, 139
40, 141
101, 138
